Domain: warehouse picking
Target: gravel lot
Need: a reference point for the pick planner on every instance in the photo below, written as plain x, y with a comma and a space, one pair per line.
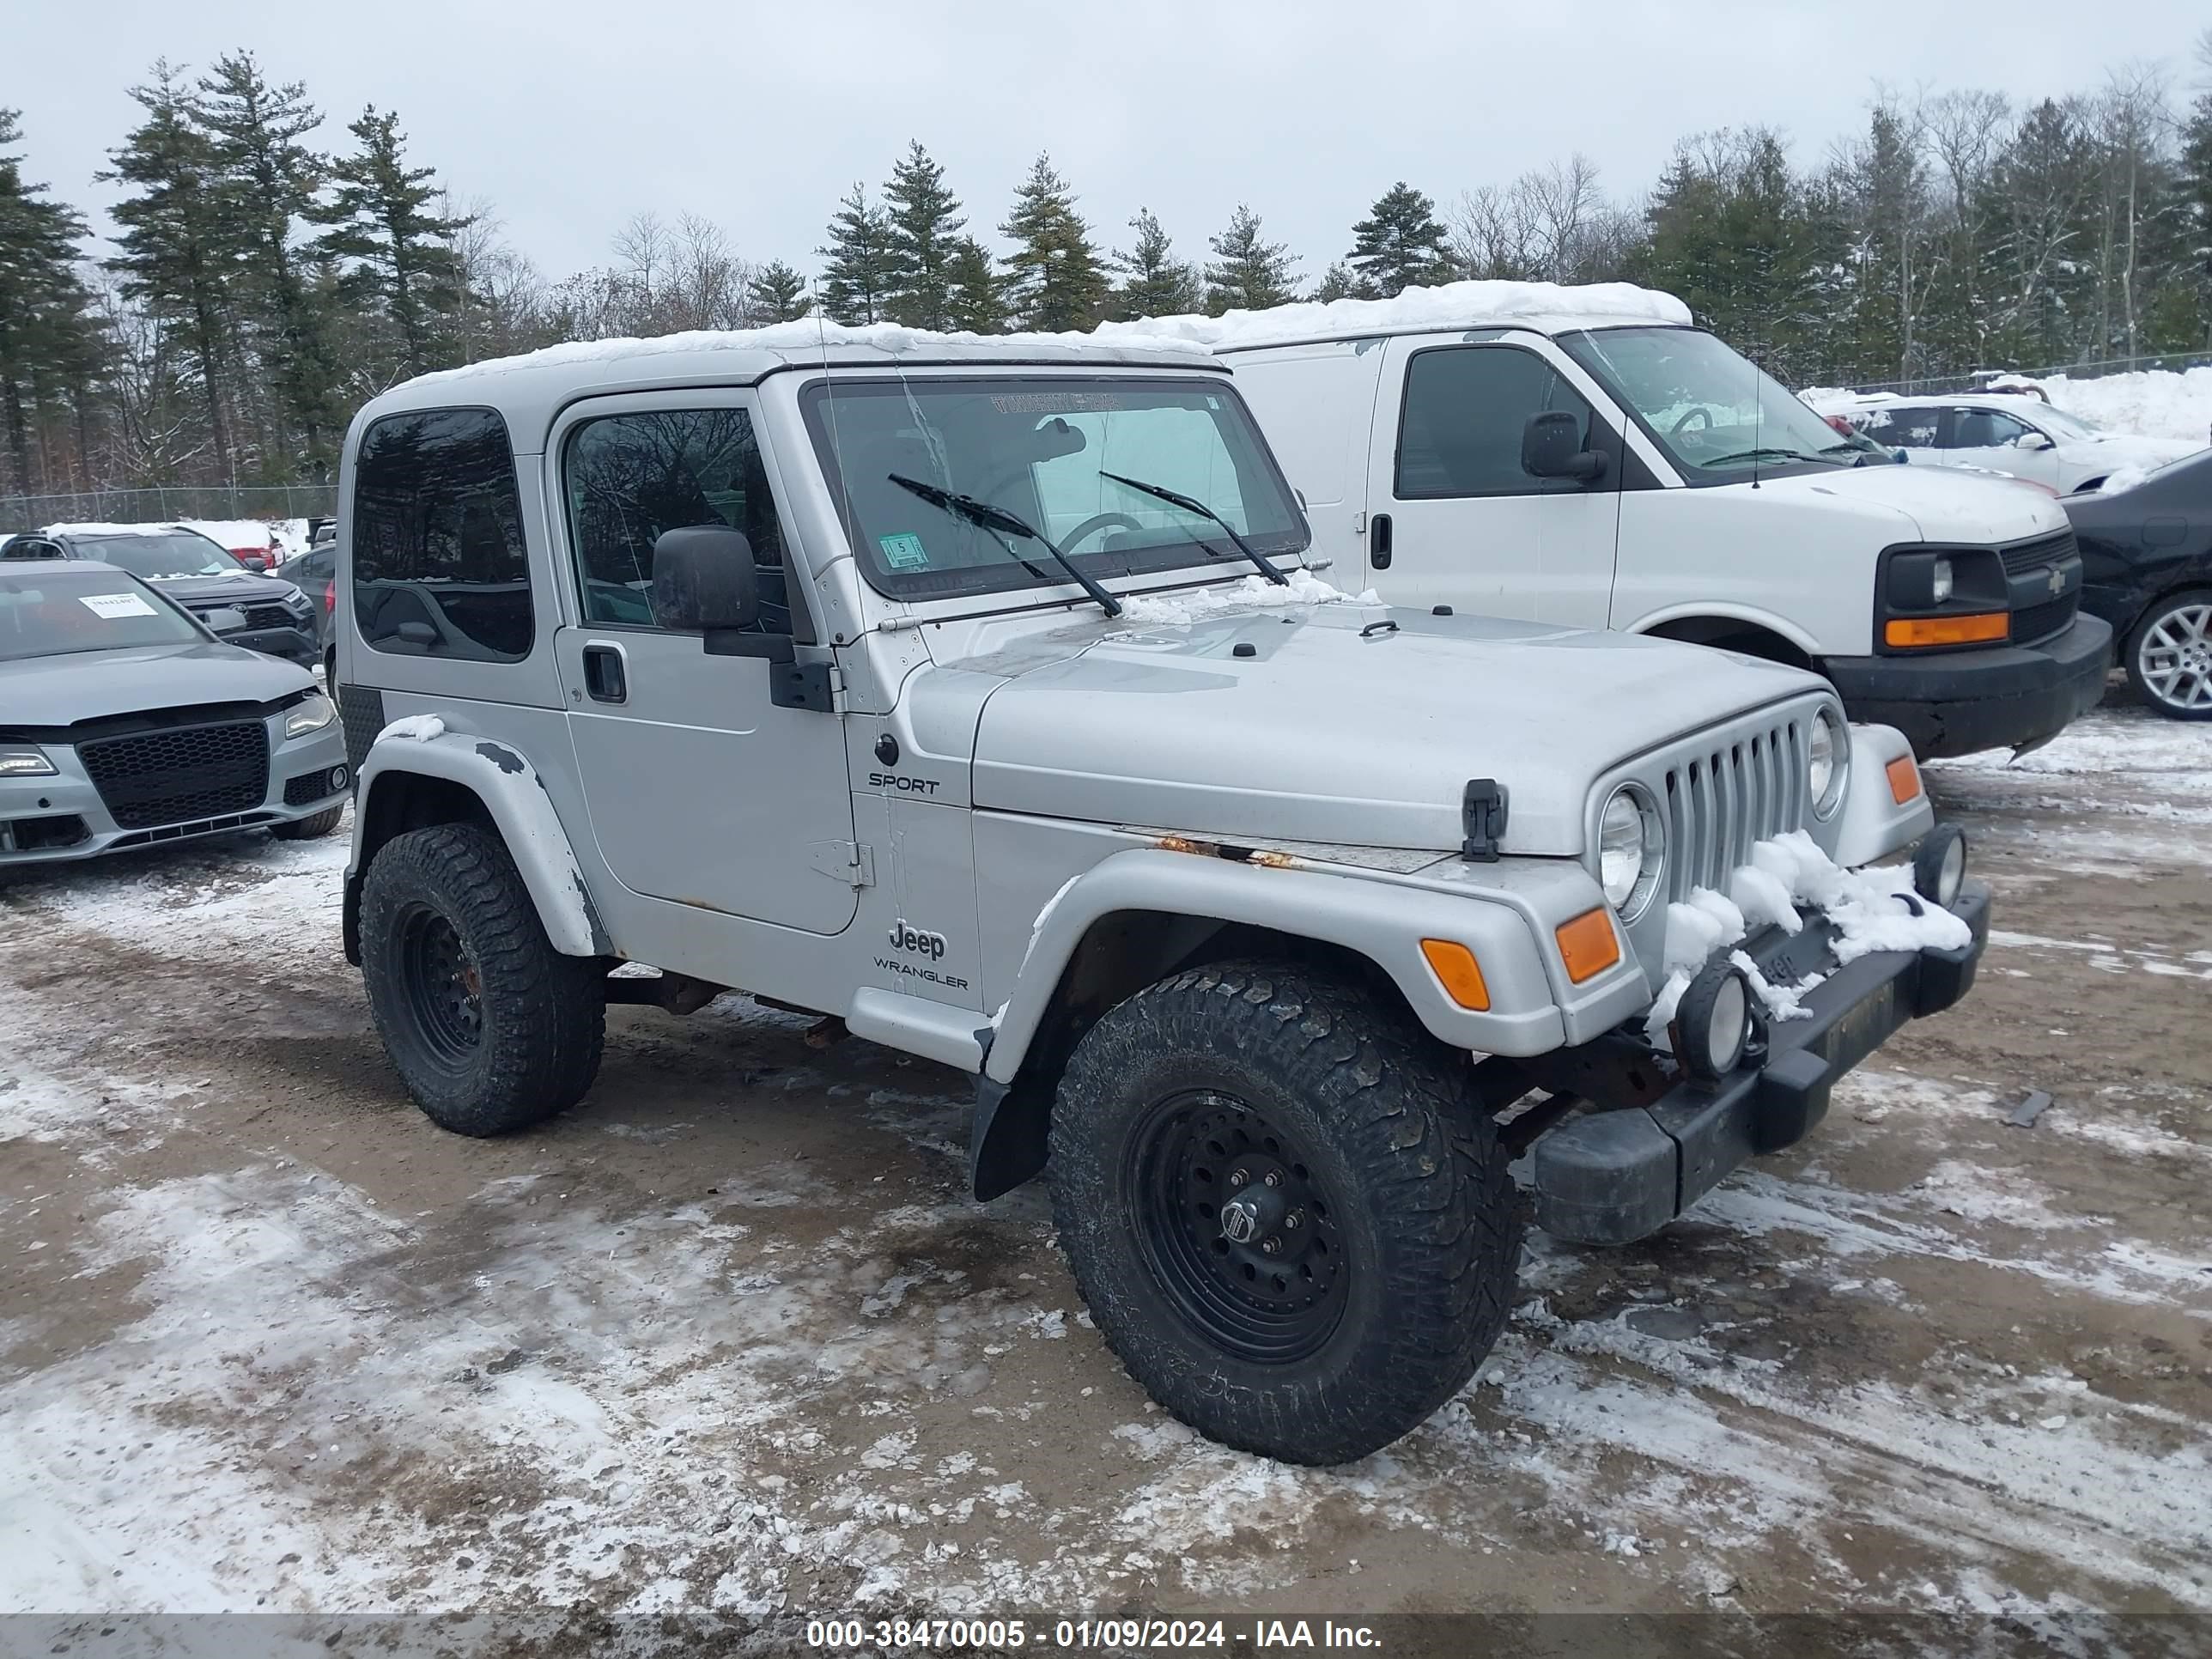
728, 1336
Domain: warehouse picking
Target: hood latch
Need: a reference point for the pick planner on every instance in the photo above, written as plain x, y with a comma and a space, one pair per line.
1482, 818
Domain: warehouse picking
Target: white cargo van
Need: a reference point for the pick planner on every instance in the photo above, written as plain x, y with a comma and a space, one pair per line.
1585, 456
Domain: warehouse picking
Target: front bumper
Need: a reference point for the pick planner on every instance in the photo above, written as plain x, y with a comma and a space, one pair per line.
1609, 1177
64, 818
1959, 703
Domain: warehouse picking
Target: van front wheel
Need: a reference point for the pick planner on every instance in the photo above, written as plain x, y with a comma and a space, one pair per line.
492, 1030
1285, 1211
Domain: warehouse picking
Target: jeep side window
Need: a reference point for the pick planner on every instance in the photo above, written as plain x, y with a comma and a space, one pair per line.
629, 477
439, 567
1466, 409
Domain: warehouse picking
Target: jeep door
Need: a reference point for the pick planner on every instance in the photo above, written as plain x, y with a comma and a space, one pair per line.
1452, 517
703, 788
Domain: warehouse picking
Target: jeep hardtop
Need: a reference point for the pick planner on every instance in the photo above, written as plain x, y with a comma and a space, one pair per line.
980, 695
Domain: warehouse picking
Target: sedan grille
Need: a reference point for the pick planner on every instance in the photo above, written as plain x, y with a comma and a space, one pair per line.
183, 772
1719, 800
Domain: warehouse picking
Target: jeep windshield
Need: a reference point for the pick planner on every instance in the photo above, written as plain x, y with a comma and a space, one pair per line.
1716, 414
1039, 449
56, 613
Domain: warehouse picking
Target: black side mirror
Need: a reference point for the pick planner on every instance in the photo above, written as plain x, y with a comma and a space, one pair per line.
1551, 447
702, 578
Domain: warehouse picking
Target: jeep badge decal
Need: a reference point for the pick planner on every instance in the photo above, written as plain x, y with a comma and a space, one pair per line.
918, 940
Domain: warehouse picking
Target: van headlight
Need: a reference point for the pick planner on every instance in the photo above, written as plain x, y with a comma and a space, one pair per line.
1631, 850
1939, 580
311, 713
1827, 762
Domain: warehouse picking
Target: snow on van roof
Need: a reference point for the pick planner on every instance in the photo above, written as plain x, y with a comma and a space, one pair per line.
808, 338
1450, 305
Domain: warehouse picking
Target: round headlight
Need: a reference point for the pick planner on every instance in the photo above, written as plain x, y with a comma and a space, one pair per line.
1827, 763
1630, 851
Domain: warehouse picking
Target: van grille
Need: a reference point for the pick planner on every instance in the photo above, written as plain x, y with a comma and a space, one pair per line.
188, 772
1719, 800
2045, 550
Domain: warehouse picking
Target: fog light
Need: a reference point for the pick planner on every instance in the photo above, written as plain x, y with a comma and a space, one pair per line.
1939, 868
339, 778
1712, 1023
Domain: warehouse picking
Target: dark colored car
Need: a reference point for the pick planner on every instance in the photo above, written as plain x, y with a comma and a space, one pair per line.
314, 573
262, 613
2147, 569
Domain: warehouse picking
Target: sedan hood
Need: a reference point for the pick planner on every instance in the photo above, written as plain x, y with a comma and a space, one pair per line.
1347, 723
45, 692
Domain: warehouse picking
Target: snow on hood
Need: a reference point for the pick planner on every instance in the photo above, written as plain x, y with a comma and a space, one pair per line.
1328, 733
1450, 305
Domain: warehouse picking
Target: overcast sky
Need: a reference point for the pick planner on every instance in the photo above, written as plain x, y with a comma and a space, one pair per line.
570, 115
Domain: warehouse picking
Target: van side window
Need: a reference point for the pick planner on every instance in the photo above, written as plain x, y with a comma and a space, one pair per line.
626, 478
439, 567
1466, 409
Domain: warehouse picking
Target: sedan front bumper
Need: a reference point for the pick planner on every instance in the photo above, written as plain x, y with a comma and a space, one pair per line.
1609, 1177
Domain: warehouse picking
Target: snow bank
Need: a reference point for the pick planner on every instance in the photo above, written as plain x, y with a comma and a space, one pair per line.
1176, 610
1451, 305
1872, 909
807, 336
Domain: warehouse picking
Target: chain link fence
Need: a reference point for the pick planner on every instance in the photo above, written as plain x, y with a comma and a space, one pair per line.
1938, 386
161, 505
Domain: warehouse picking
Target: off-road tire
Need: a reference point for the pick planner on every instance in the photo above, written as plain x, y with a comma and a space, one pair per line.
313, 827
540, 1016
1379, 1115
2132, 655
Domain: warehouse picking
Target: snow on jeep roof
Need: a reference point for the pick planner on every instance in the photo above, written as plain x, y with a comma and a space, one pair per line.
1548, 306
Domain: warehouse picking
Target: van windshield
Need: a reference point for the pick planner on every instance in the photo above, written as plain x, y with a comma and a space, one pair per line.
1715, 414
1039, 449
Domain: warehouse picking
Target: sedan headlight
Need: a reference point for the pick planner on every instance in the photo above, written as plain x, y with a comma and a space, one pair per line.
1632, 851
297, 603
1828, 763
311, 713
25, 763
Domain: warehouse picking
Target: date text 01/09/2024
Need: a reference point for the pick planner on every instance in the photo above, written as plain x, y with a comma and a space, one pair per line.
1119, 1634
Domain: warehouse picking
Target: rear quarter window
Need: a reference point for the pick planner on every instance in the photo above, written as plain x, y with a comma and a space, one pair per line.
439, 565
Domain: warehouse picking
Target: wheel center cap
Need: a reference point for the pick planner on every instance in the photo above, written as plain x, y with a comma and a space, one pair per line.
1253, 1213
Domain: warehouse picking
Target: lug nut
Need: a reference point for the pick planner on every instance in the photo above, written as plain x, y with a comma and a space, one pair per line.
1294, 1220
1273, 1177
1237, 1178
1272, 1245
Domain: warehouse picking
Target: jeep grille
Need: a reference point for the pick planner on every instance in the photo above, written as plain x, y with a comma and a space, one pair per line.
1741, 788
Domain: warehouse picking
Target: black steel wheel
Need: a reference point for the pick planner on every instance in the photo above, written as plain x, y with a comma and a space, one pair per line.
1287, 1215
491, 1028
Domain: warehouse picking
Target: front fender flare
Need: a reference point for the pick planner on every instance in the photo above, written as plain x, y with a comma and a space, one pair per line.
514, 796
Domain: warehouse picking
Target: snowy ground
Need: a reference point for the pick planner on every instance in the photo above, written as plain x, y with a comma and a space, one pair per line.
728, 1336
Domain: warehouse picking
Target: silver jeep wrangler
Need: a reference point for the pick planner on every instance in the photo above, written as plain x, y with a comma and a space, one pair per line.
977, 694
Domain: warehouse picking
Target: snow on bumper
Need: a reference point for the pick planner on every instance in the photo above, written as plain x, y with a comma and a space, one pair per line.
1609, 1177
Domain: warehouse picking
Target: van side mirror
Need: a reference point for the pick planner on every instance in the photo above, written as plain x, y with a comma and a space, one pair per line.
1551, 447
702, 578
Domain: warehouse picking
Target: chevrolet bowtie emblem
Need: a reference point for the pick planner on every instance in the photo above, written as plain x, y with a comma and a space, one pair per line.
2057, 581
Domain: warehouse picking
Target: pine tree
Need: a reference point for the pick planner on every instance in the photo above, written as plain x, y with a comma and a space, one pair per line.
924, 240
1054, 280
44, 339
1249, 272
1337, 283
270, 181
384, 219
1155, 284
2194, 187
778, 294
978, 302
855, 284
180, 245
1401, 242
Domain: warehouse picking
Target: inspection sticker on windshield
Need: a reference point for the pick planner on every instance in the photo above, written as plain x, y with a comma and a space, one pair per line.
115, 605
903, 552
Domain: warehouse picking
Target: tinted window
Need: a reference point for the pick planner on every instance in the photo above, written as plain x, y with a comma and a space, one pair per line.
1985, 429
178, 553
1900, 428
1466, 410
57, 613
629, 477
440, 568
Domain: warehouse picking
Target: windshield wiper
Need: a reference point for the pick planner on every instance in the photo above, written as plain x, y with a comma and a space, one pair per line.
1767, 455
987, 517
1174, 498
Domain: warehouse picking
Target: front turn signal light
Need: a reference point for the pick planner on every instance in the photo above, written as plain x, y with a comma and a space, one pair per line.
1984, 628
1589, 945
1904, 779
1458, 972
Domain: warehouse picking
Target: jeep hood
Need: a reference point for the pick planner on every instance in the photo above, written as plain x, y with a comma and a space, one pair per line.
45, 692
1337, 727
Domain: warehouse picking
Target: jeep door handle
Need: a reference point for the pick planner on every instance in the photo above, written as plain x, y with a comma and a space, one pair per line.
605, 678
